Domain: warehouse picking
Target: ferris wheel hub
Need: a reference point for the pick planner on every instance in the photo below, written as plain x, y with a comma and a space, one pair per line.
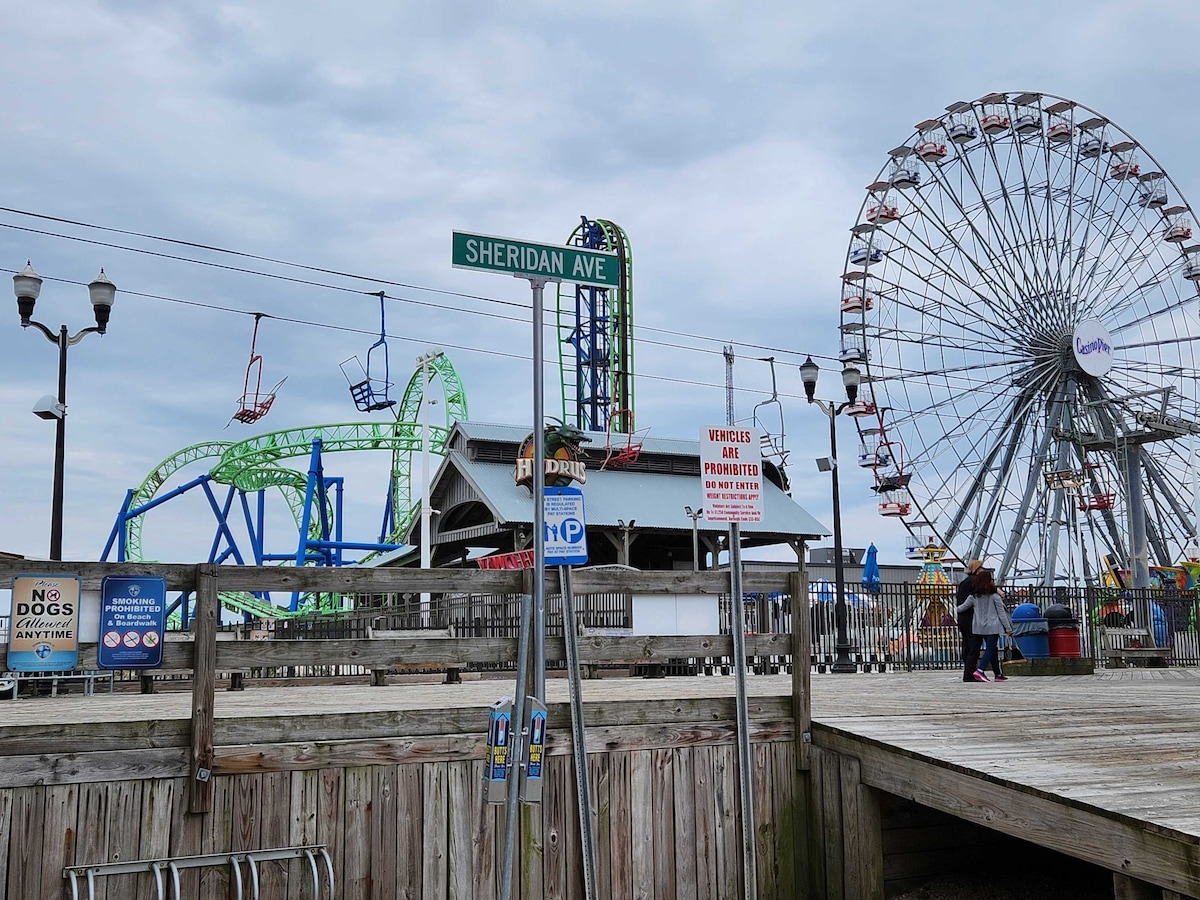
1092, 345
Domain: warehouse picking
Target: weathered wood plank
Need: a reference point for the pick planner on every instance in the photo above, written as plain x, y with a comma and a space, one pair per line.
25, 845
641, 787
852, 826
92, 841
6, 832
460, 819
246, 827
124, 833
801, 670
554, 828
216, 836
204, 627
410, 813
598, 772
728, 843
663, 842
78, 768
331, 818
435, 835
621, 850
275, 822
704, 775
384, 835
302, 827
785, 815
58, 850
831, 829
360, 821
683, 809
764, 820
531, 862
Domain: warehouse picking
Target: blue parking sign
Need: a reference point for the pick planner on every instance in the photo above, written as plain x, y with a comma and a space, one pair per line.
565, 538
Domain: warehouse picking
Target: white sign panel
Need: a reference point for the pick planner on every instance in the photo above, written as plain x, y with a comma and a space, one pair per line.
731, 474
1093, 347
565, 528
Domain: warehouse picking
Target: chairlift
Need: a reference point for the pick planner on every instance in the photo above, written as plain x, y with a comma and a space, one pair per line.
875, 452
615, 457
773, 445
370, 391
254, 404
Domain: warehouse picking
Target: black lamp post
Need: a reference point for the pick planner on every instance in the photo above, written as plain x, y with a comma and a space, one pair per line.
695, 515
851, 378
27, 285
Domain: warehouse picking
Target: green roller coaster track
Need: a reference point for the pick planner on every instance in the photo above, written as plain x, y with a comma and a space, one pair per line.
254, 464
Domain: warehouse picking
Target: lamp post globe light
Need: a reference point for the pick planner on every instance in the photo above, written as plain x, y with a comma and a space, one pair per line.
27, 285
851, 378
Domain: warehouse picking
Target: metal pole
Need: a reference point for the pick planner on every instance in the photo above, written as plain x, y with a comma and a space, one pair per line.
60, 450
745, 760
516, 754
738, 616
841, 663
1139, 554
538, 683
696, 542
578, 736
426, 513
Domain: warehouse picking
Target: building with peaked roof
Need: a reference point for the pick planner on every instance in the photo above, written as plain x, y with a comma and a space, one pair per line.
636, 512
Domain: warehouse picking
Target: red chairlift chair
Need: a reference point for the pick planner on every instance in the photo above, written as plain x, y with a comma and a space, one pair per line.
616, 457
253, 405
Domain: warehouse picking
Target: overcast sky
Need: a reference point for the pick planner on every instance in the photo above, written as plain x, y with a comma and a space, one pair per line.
732, 141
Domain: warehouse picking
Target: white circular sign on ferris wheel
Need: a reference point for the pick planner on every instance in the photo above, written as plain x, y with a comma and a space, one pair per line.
1093, 347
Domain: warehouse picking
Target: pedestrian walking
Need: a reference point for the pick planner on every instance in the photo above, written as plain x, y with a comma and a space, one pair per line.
989, 619
972, 644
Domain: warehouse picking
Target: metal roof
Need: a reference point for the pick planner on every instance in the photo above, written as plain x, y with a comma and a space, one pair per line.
655, 501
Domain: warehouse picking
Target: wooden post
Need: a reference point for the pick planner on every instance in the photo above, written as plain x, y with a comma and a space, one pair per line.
801, 670
862, 854
204, 677
1127, 888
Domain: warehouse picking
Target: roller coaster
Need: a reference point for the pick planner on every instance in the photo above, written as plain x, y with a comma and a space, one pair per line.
595, 329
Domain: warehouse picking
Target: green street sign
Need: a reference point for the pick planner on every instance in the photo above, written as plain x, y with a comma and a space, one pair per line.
526, 259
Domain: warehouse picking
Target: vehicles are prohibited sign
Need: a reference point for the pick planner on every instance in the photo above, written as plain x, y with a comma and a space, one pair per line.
731, 473
566, 530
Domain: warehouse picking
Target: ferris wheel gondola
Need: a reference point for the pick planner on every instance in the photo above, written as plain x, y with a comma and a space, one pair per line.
1030, 355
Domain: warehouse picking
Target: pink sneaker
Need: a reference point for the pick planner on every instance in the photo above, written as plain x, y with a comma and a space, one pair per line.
979, 676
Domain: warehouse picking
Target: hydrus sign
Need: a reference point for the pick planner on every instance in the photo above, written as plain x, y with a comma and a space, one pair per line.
44, 634
1093, 347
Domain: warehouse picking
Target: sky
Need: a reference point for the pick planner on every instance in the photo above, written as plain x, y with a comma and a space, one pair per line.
732, 142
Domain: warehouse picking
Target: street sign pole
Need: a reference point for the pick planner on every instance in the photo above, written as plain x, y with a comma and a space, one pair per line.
539, 497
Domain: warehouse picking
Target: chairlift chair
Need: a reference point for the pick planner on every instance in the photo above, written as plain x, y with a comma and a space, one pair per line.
616, 457
370, 392
254, 404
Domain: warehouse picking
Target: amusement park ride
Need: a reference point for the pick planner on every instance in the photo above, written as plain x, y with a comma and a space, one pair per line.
1018, 296
596, 357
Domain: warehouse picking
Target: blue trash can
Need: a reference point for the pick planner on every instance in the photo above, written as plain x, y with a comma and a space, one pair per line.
1031, 631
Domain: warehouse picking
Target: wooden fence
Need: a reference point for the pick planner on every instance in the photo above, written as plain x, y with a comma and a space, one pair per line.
396, 797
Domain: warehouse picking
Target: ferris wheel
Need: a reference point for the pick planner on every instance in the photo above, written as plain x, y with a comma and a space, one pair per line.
1020, 295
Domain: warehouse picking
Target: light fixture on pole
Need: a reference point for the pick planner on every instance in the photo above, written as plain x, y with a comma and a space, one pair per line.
695, 516
625, 537
27, 285
851, 378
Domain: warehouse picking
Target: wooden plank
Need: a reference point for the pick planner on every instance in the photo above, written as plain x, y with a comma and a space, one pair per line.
216, 836
786, 817
852, 859
484, 844
1051, 822
801, 670
435, 833
25, 846
359, 823
729, 835
598, 772
331, 819
92, 840
641, 787
204, 627
663, 842
555, 823
573, 844
124, 834
764, 820
275, 827
683, 809
461, 814
6, 834
246, 825
410, 813
79, 768
58, 850
870, 843
186, 835
704, 776
829, 801
531, 849
621, 848
302, 828
384, 835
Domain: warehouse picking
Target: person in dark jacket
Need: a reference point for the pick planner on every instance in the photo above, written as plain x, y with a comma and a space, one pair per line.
990, 619
972, 644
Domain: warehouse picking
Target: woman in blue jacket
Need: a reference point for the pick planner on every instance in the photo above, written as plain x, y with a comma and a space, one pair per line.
990, 618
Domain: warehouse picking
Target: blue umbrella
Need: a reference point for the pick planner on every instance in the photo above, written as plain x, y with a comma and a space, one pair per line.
870, 577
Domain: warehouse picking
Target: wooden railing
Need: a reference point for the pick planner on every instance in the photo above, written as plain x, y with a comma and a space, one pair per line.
205, 656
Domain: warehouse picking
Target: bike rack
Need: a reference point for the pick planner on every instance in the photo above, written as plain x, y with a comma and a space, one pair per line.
173, 865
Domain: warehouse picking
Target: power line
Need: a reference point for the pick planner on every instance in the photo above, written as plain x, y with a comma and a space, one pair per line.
337, 273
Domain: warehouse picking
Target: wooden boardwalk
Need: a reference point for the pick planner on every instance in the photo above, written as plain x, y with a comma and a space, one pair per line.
1105, 767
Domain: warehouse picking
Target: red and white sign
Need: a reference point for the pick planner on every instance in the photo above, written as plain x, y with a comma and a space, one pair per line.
731, 473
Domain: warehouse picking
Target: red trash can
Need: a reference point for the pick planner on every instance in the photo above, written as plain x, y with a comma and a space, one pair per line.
1064, 641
